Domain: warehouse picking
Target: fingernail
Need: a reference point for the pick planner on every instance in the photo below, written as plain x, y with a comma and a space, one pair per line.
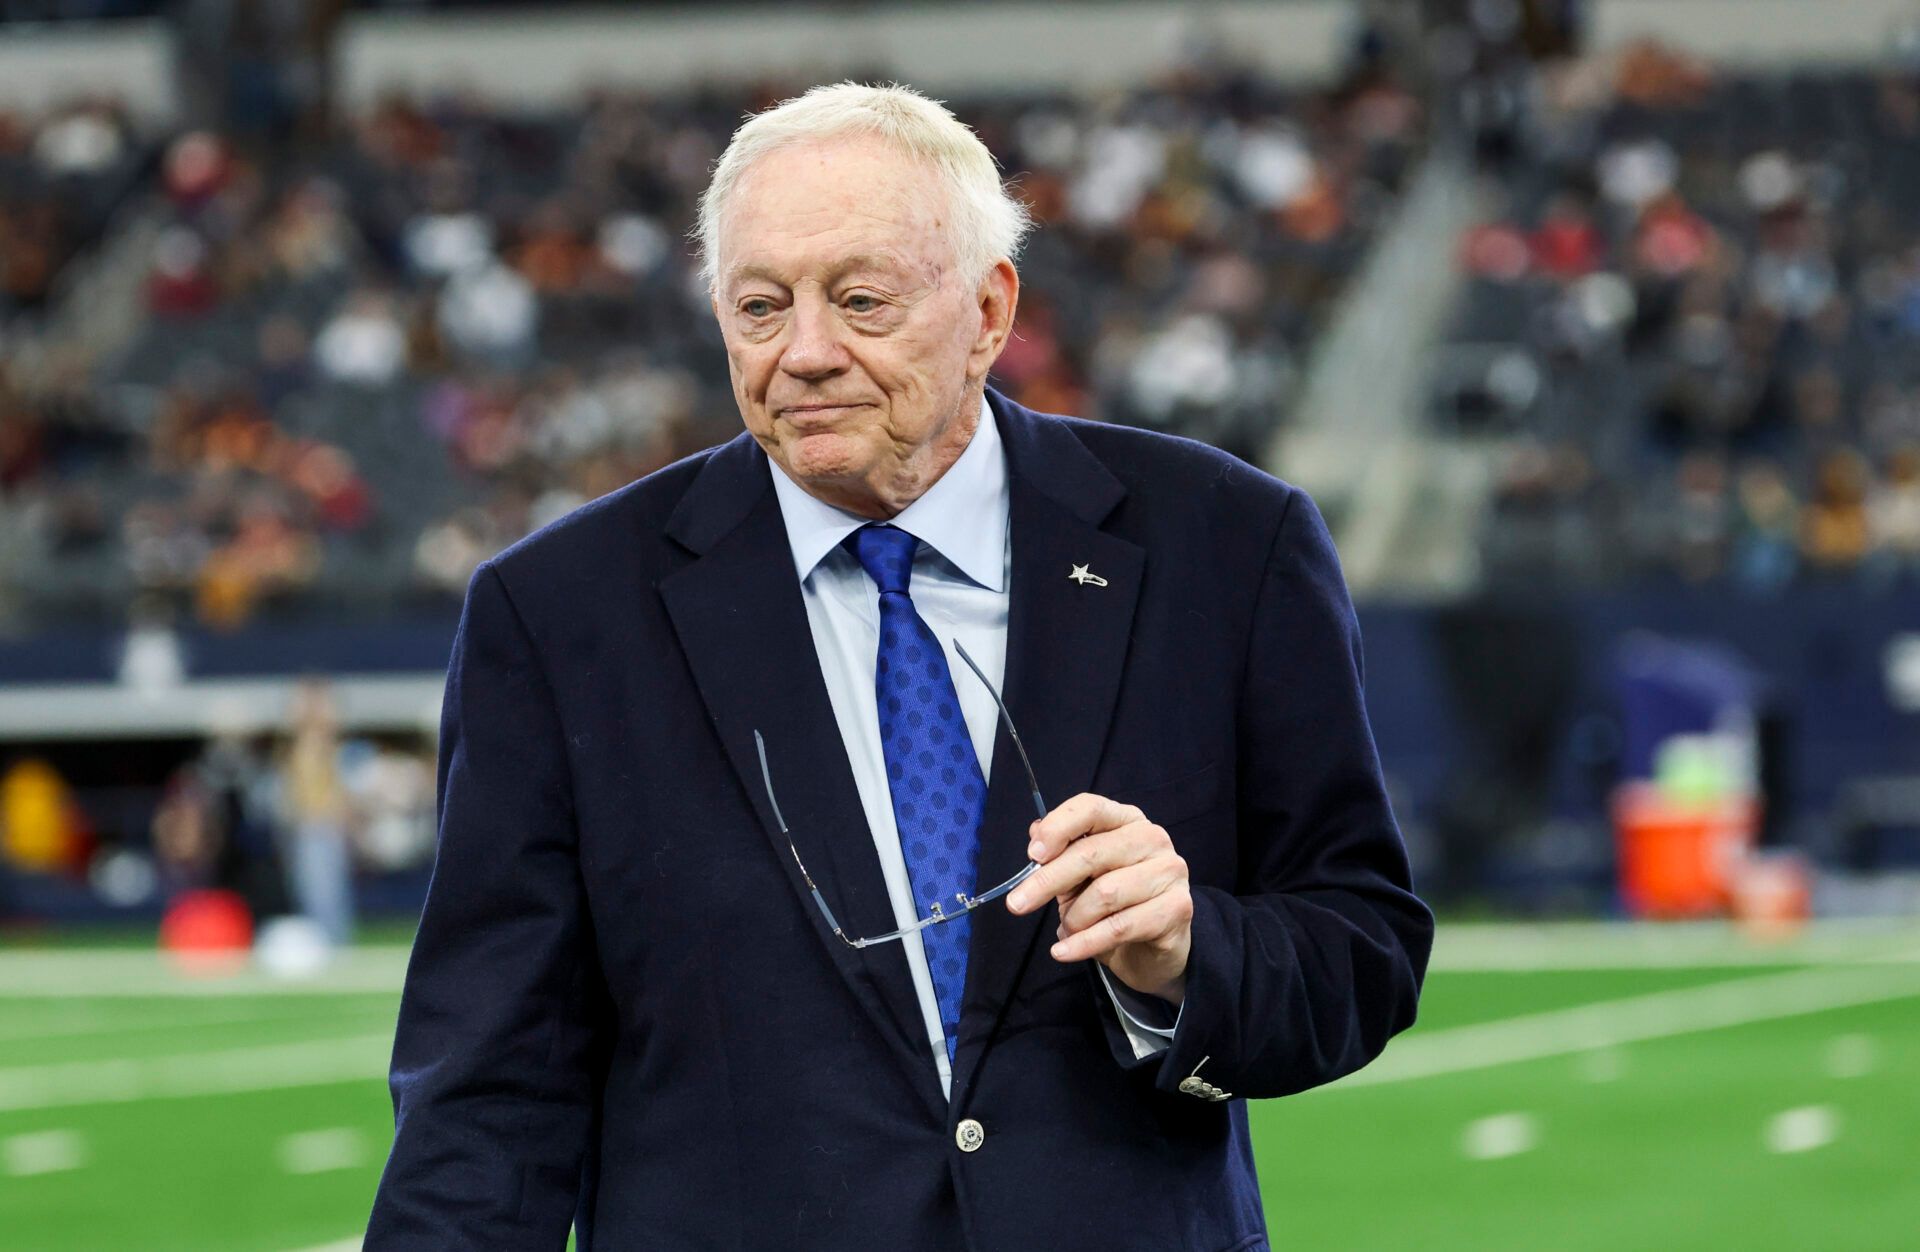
1034, 850
1016, 901
1059, 951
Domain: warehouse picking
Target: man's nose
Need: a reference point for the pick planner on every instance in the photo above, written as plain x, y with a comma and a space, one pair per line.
813, 349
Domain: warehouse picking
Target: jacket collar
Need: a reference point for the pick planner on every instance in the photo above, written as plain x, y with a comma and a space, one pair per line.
1039, 449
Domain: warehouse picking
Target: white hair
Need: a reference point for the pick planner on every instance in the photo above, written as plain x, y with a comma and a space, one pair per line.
985, 222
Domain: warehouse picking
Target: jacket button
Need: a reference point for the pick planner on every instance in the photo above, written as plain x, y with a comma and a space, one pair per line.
1193, 1086
969, 1134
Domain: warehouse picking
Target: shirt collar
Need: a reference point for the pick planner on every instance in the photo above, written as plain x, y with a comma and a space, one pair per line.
962, 516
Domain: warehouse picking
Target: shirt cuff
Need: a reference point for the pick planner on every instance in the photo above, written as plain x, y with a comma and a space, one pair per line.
1139, 1017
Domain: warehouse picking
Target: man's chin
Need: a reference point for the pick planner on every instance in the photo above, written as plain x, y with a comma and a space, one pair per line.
824, 457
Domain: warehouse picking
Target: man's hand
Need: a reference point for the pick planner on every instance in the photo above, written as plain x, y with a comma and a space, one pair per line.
1122, 892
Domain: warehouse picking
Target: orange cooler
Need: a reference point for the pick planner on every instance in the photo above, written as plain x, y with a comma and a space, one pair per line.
1680, 859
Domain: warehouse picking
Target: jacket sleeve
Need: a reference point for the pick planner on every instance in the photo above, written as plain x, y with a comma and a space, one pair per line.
1306, 968
496, 1061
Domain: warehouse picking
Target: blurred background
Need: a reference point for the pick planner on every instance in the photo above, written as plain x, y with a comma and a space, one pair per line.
1592, 325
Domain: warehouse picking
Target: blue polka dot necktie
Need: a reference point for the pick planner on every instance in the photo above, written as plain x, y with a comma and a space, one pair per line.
938, 789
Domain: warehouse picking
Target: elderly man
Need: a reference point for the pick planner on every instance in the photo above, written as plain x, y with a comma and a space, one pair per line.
751, 925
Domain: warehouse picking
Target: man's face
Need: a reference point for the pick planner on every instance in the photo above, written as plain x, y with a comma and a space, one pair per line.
855, 344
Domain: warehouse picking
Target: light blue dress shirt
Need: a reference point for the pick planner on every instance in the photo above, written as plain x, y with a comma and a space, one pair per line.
961, 586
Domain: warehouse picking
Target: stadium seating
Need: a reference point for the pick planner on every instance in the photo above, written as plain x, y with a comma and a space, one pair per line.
351, 372
1691, 319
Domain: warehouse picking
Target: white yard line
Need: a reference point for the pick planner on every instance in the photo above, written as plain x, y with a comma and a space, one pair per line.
1852, 1056
1510, 947
122, 974
1465, 947
269, 1067
322, 1151
1658, 1015
42, 1152
1501, 1135
1801, 1130
1558, 1032
93, 1021
345, 1245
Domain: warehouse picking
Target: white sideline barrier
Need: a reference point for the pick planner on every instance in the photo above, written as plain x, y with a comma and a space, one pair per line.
366, 702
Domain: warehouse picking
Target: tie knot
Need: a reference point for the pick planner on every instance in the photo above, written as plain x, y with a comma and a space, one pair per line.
886, 553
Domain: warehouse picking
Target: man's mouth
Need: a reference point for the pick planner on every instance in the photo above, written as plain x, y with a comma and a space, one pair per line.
802, 414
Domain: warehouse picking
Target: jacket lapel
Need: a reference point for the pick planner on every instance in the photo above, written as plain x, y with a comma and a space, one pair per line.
742, 623
1066, 652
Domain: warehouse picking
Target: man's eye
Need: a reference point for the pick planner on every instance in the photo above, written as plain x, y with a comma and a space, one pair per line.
858, 303
757, 307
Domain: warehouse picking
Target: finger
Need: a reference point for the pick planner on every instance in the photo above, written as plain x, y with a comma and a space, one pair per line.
1066, 902
1085, 859
1121, 889
1088, 858
1154, 921
1084, 814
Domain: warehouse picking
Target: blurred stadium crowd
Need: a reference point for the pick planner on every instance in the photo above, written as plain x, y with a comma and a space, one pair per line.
1698, 304
287, 362
360, 366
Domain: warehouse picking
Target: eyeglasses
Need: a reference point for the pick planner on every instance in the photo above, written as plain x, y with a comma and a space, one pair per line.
963, 903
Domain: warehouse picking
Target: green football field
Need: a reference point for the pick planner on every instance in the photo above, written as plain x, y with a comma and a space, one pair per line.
1616, 1087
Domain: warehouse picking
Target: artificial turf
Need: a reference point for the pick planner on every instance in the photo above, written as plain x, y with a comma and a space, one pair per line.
1660, 1143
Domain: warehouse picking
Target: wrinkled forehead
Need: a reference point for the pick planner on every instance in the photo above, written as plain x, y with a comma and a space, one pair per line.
817, 209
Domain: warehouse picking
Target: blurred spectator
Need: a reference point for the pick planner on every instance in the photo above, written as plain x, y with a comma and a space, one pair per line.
198, 166
62, 175
80, 140
393, 797
41, 827
314, 807
309, 236
265, 553
453, 241
1701, 519
489, 312
1655, 76
450, 550
181, 284
151, 661
1834, 528
364, 343
1895, 511
213, 827
284, 370
1567, 245
1766, 551
186, 842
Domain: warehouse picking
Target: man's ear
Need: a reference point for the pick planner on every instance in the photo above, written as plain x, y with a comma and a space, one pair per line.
999, 298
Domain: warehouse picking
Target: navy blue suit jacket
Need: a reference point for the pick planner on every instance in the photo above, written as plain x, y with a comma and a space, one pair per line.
623, 1011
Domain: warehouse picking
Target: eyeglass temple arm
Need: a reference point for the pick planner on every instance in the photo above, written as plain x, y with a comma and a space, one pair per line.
766, 780
1033, 789
1006, 719
833, 923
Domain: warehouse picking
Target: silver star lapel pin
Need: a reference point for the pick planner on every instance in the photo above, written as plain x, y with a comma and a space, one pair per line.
1081, 576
